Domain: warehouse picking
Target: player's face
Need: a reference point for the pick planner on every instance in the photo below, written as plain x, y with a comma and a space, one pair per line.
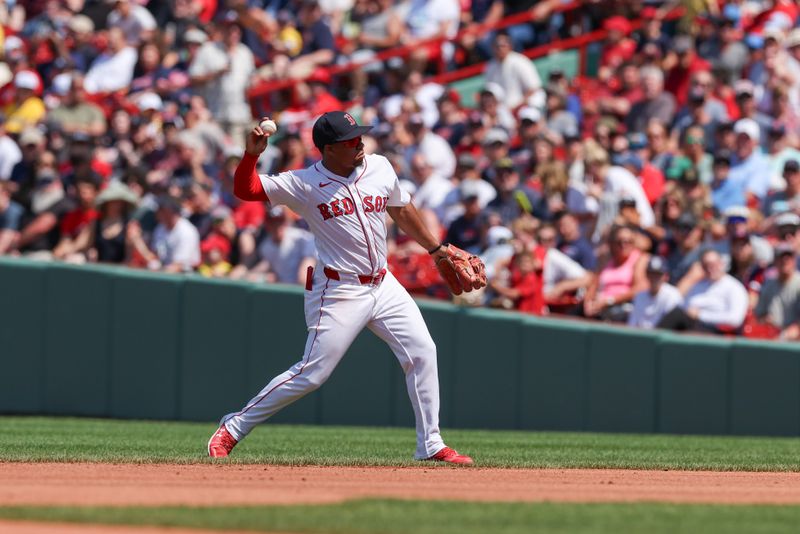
348, 152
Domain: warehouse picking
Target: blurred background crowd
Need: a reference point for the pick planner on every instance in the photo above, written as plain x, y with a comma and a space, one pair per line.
662, 190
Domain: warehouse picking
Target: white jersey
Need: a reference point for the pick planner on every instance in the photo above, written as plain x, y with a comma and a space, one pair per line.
347, 215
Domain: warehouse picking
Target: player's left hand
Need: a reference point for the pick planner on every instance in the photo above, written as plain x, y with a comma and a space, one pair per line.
462, 271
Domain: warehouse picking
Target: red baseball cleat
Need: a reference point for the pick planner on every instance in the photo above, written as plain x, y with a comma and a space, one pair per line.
451, 456
221, 443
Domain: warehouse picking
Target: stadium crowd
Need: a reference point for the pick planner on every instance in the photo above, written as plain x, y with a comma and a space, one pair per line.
662, 191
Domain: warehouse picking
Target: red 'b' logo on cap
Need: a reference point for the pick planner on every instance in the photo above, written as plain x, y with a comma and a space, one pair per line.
350, 119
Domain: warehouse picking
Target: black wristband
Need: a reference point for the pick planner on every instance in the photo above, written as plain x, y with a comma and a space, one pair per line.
436, 248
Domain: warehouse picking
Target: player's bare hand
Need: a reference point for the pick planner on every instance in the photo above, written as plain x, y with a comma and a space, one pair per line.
256, 141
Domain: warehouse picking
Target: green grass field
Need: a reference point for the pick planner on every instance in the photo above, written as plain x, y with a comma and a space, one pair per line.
36, 439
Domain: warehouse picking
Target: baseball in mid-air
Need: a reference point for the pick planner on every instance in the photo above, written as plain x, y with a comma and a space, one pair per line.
268, 126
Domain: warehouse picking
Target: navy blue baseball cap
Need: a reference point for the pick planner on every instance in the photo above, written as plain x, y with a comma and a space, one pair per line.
334, 127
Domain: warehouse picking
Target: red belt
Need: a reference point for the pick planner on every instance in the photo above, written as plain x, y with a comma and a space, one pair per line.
364, 279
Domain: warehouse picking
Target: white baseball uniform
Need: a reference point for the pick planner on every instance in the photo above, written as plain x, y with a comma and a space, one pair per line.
351, 289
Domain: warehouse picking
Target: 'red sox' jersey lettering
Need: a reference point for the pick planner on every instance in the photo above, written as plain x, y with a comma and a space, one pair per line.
344, 206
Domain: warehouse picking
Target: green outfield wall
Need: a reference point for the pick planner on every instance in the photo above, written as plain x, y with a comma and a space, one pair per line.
109, 342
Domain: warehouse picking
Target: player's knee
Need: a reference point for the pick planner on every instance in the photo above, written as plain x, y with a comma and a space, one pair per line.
315, 380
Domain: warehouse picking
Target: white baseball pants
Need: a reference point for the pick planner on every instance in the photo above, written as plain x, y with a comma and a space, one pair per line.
336, 311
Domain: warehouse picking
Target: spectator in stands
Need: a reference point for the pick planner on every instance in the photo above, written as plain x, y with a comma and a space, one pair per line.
727, 192
659, 153
562, 278
113, 69
10, 153
469, 181
465, 232
572, 243
714, 301
75, 114
779, 300
107, 242
655, 103
431, 146
749, 162
48, 206
515, 73
685, 65
791, 193
285, 253
27, 109
319, 46
619, 278
10, 219
744, 265
76, 226
175, 245
651, 304
513, 199
135, 21
524, 291
748, 109
431, 188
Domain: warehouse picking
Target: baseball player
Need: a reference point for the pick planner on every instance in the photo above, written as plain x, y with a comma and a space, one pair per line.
344, 199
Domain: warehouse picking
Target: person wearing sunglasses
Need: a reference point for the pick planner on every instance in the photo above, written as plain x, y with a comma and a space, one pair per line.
344, 200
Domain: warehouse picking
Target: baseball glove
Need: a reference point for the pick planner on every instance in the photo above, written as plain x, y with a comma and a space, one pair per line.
462, 271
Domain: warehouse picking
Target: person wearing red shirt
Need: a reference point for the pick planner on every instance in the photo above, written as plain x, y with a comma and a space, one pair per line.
76, 227
526, 284
687, 63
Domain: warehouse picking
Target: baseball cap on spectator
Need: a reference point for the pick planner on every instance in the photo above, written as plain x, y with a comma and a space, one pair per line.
627, 202
754, 41
697, 95
732, 12
743, 88
504, 164
195, 36
637, 141
617, 23
530, 114
682, 44
656, 264
26, 79
776, 131
61, 83
216, 242
686, 221
170, 203
736, 214
468, 190
498, 235
14, 48
220, 213
467, 161
784, 249
80, 24
649, 13
336, 126
791, 166
148, 101
495, 135
723, 157
787, 219
31, 136
495, 90
628, 159
779, 206
748, 127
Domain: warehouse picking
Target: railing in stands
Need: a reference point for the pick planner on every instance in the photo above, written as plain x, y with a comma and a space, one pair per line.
580, 42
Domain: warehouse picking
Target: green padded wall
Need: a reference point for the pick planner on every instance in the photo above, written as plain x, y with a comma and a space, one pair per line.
276, 338
145, 344
486, 380
693, 387
553, 374
22, 329
213, 357
621, 386
103, 341
765, 397
77, 338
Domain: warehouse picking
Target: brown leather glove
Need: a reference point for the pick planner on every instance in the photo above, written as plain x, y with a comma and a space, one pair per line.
462, 271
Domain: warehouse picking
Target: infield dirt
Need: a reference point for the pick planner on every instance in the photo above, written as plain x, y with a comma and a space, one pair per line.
97, 484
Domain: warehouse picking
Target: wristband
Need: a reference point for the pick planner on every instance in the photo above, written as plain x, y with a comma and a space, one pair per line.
435, 249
